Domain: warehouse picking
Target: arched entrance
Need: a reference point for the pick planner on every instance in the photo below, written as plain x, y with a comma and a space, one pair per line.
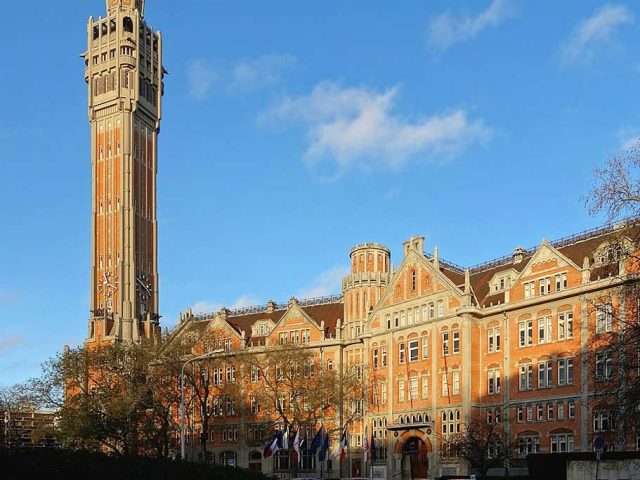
255, 461
415, 461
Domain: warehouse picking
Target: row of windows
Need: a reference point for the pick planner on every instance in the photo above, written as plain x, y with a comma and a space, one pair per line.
544, 331
552, 411
295, 337
544, 285
545, 374
415, 315
103, 29
413, 389
558, 443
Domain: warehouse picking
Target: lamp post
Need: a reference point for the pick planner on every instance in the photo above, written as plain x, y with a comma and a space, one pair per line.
182, 412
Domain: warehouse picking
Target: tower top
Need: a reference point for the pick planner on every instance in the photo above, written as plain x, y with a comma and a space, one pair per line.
126, 4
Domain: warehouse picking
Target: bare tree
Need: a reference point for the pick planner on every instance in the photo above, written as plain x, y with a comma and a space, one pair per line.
615, 352
483, 444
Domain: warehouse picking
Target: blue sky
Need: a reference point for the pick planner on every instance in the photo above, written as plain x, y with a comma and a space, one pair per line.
294, 130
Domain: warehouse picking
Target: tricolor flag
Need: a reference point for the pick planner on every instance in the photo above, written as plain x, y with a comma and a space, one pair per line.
271, 447
343, 445
285, 439
297, 443
317, 441
365, 447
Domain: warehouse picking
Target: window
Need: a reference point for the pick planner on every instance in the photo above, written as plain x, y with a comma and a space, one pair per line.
445, 343
401, 390
424, 313
545, 285
283, 338
456, 382
604, 318
456, 341
493, 381
388, 321
561, 282
425, 386
562, 443
602, 421
217, 376
529, 289
413, 388
383, 354
544, 330
604, 366
413, 351
571, 409
255, 373
383, 393
255, 408
329, 365
565, 371
410, 316
493, 339
450, 421
526, 377
403, 318
561, 411
550, 411
528, 444
375, 358
545, 374
440, 308
306, 336
432, 311
401, 353
565, 325
539, 412
425, 347
396, 320
445, 385
526, 332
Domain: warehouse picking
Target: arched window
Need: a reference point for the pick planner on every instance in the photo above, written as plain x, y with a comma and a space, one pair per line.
281, 460
127, 25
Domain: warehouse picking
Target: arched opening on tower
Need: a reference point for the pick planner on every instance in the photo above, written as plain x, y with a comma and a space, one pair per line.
127, 25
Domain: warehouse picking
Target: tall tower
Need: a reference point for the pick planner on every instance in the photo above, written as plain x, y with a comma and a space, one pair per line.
363, 287
124, 74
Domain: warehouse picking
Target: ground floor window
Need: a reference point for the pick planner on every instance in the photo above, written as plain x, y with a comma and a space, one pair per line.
229, 458
281, 460
308, 460
562, 443
528, 444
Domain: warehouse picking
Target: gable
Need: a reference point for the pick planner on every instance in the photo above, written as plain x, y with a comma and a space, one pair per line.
546, 259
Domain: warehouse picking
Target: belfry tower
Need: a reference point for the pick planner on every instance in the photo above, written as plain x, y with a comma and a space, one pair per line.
124, 74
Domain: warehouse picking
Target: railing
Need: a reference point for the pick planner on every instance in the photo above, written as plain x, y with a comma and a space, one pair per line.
305, 302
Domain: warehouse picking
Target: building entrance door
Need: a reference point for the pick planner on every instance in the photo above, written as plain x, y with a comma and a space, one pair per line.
356, 468
415, 461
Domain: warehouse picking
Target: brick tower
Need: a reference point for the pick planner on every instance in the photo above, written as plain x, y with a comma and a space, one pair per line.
124, 74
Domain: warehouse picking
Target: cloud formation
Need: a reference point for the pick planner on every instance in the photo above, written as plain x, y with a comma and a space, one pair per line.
242, 76
592, 34
447, 29
206, 306
11, 343
628, 138
328, 282
357, 127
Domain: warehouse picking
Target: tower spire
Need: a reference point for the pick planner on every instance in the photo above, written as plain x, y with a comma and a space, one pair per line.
113, 5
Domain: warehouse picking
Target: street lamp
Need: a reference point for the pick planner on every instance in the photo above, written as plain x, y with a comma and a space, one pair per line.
182, 412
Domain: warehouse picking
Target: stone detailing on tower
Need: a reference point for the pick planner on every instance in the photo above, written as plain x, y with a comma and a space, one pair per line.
124, 77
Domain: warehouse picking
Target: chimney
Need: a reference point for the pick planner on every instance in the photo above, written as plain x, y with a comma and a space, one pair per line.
224, 312
518, 255
271, 306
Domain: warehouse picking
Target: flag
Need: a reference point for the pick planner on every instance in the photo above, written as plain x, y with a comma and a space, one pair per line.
317, 441
373, 447
343, 445
285, 439
297, 442
365, 448
322, 455
271, 447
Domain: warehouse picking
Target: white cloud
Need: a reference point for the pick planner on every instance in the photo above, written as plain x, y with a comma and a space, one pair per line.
11, 343
202, 77
447, 29
243, 75
628, 138
206, 306
262, 71
356, 126
328, 282
595, 32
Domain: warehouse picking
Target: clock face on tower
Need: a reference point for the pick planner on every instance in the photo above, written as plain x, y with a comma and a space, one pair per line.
109, 284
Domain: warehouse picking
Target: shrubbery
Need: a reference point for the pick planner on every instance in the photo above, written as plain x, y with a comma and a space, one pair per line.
68, 464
